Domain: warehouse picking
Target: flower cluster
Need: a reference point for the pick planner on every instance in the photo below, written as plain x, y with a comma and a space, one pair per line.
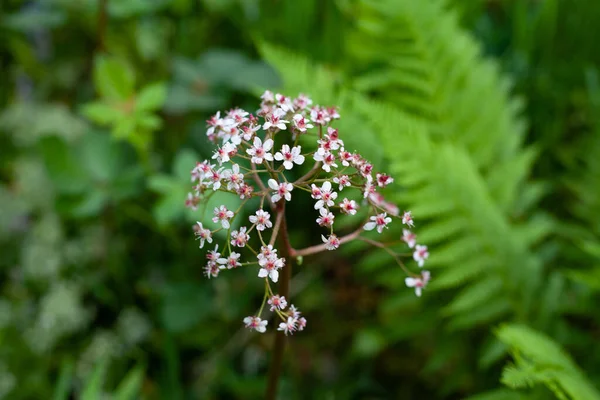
263, 156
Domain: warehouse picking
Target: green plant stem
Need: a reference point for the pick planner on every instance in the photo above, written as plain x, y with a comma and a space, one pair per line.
284, 290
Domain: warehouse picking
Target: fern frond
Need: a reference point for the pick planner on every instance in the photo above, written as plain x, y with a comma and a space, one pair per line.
540, 360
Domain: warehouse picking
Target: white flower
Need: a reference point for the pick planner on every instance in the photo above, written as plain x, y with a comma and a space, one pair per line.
383, 180
407, 219
249, 131
301, 123
420, 254
270, 266
266, 252
325, 195
326, 157
274, 120
285, 103
418, 283
319, 116
345, 157
233, 177
192, 201
223, 215
215, 177
326, 218
409, 237
261, 219
268, 97
332, 242
282, 190
211, 269
238, 115
294, 311
289, 157
348, 206
240, 238
301, 323
256, 323
289, 326
202, 234
302, 101
277, 303
343, 181
231, 261
213, 255
380, 221
260, 150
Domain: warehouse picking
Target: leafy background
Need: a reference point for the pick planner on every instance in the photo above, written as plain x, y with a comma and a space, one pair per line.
486, 112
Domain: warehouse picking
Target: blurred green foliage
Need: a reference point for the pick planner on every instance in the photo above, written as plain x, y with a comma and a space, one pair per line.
486, 112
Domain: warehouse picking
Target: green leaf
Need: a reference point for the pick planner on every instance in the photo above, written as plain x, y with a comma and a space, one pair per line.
63, 167
151, 97
93, 387
101, 113
63, 385
113, 78
183, 306
101, 156
130, 386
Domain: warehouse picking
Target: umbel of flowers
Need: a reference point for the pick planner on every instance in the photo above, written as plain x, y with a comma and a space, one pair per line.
255, 157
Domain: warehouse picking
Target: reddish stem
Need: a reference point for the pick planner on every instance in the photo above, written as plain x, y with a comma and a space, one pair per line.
284, 290
321, 247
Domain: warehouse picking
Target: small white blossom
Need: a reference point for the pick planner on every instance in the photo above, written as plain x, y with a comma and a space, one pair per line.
420, 254
284, 102
418, 283
256, 323
343, 181
326, 157
231, 261
273, 120
233, 177
223, 215
383, 180
332, 242
345, 157
326, 218
192, 201
261, 219
282, 190
202, 234
289, 157
260, 150
215, 177
277, 303
348, 206
213, 255
270, 266
249, 131
268, 97
301, 323
409, 238
301, 123
240, 238
407, 219
380, 221
325, 196
302, 101
288, 327
211, 269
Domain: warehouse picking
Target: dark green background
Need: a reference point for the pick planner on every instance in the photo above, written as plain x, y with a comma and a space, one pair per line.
487, 113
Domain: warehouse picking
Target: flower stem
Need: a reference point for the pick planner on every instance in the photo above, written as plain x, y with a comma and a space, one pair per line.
284, 290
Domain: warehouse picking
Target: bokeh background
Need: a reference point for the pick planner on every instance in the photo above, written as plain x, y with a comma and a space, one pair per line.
487, 113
